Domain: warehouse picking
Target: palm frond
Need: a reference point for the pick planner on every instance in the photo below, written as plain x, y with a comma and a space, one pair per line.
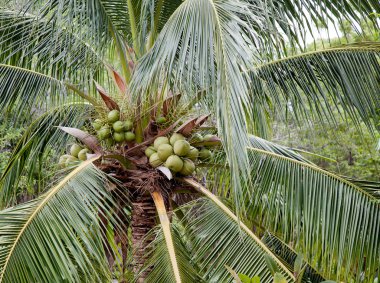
40, 138
159, 262
217, 241
70, 248
315, 84
205, 45
328, 219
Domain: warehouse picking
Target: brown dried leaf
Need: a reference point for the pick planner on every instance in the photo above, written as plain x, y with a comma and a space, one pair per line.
169, 103
201, 120
187, 127
110, 103
118, 79
89, 140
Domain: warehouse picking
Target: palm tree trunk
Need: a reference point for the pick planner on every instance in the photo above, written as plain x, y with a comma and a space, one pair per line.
143, 220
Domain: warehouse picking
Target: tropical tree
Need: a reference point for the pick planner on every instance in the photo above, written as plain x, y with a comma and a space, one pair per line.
121, 77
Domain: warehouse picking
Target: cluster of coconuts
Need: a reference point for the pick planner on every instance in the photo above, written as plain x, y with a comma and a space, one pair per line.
114, 130
76, 154
176, 154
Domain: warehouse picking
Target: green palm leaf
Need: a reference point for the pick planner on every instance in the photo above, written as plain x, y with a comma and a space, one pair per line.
317, 83
70, 248
330, 220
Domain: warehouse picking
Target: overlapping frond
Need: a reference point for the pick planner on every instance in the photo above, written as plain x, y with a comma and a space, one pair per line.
317, 83
57, 237
41, 137
216, 241
331, 221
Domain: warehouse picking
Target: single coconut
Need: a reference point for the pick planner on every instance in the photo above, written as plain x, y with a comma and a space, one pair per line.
176, 137
128, 125
174, 163
196, 138
97, 124
161, 120
181, 147
118, 126
193, 153
164, 151
205, 154
119, 137
113, 116
188, 167
74, 149
110, 142
208, 137
159, 141
82, 155
149, 151
104, 132
71, 161
129, 136
62, 160
154, 160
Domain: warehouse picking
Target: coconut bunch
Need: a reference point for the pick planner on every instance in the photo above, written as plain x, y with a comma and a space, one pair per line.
177, 154
113, 129
75, 154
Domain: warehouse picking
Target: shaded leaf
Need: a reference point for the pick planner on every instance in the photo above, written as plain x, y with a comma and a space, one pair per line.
110, 103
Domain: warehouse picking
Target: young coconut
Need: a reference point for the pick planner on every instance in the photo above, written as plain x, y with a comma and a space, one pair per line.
129, 136
188, 167
154, 160
62, 160
97, 124
208, 137
159, 141
118, 126
174, 163
104, 132
205, 154
82, 155
149, 151
196, 138
193, 153
164, 151
119, 137
113, 116
110, 142
128, 125
176, 137
181, 147
74, 149
161, 120
71, 161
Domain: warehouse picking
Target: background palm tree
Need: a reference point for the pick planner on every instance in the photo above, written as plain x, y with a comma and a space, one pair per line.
239, 61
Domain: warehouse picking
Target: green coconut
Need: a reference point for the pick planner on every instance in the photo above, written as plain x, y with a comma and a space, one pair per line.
155, 160
208, 137
129, 136
104, 132
97, 124
188, 167
205, 154
149, 151
119, 137
193, 153
128, 125
71, 161
159, 141
62, 160
176, 137
118, 126
74, 149
181, 147
161, 120
113, 116
174, 163
110, 142
164, 151
196, 138
82, 155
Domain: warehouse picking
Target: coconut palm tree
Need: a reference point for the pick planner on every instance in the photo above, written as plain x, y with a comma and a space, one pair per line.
115, 79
